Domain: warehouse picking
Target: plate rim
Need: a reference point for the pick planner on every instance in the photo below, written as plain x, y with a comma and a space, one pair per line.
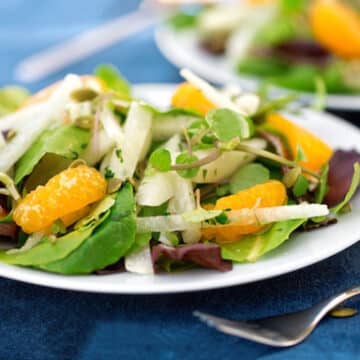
74, 283
167, 47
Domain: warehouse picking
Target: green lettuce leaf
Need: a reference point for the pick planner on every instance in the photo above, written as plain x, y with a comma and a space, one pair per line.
107, 244
47, 250
252, 247
114, 80
67, 141
141, 240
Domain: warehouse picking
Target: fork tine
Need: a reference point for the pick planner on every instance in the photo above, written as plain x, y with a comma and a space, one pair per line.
245, 329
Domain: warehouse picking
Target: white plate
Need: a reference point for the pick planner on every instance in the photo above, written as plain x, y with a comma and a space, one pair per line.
181, 49
301, 250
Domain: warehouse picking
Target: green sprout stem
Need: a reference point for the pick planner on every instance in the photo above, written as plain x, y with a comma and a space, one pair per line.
279, 159
215, 154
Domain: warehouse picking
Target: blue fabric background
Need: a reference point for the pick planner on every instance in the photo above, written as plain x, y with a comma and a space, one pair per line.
41, 323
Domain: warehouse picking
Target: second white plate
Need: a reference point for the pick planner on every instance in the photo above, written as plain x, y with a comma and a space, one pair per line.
182, 50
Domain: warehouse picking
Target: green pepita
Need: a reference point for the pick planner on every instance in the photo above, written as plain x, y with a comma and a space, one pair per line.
84, 94
343, 312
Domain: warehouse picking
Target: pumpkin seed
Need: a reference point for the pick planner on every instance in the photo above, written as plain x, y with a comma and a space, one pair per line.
113, 185
343, 312
84, 94
291, 176
84, 122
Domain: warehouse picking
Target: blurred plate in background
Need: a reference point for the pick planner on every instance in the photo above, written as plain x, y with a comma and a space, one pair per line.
182, 50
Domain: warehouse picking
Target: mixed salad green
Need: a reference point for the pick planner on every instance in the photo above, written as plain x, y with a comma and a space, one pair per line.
95, 180
301, 45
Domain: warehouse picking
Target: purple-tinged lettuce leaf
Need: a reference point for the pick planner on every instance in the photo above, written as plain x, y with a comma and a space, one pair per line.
341, 171
204, 255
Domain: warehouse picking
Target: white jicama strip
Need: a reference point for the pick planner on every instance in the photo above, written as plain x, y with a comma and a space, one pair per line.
158, 188
166, 126
221, 168
163, 224
155, 190
183, 195
111, 126
104, 145
133, 142
226, 164
184, 201
259, 216
277, 213
137, 136
140, 262
30, 122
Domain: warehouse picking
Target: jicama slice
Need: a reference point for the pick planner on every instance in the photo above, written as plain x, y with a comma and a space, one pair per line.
226, 164
31, 121
137, 136
168, 125
103, 146
157, 188
183, 201
259, 216
140, 262
132, 142
183, 196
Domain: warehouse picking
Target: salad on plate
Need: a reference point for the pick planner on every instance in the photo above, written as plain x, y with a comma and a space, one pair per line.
95, 180
305, 45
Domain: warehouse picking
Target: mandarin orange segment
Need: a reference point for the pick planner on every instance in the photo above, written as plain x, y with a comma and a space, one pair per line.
337, 27
316, 151
67, 192
189, 97
73, 217
269, 194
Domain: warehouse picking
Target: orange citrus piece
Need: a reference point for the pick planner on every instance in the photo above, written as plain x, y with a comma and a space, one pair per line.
189, 97
45, 93
269, 194
73, 217
316, 151
337, 27
67, 192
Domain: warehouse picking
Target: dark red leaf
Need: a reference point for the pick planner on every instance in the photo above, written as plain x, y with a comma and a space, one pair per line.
205, 255
302, 51
8, 230
118, 267
341, 170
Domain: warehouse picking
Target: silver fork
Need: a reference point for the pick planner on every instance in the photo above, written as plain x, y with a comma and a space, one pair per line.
282, 330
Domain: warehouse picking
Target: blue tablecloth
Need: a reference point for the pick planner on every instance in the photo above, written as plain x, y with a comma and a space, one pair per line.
42, 323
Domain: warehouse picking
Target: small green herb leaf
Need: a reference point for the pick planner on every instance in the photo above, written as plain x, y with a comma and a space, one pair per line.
227, 124
248, 176
185, 158
300, 155
109, 174
182, 21
58, 227
301, 186
160, 159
